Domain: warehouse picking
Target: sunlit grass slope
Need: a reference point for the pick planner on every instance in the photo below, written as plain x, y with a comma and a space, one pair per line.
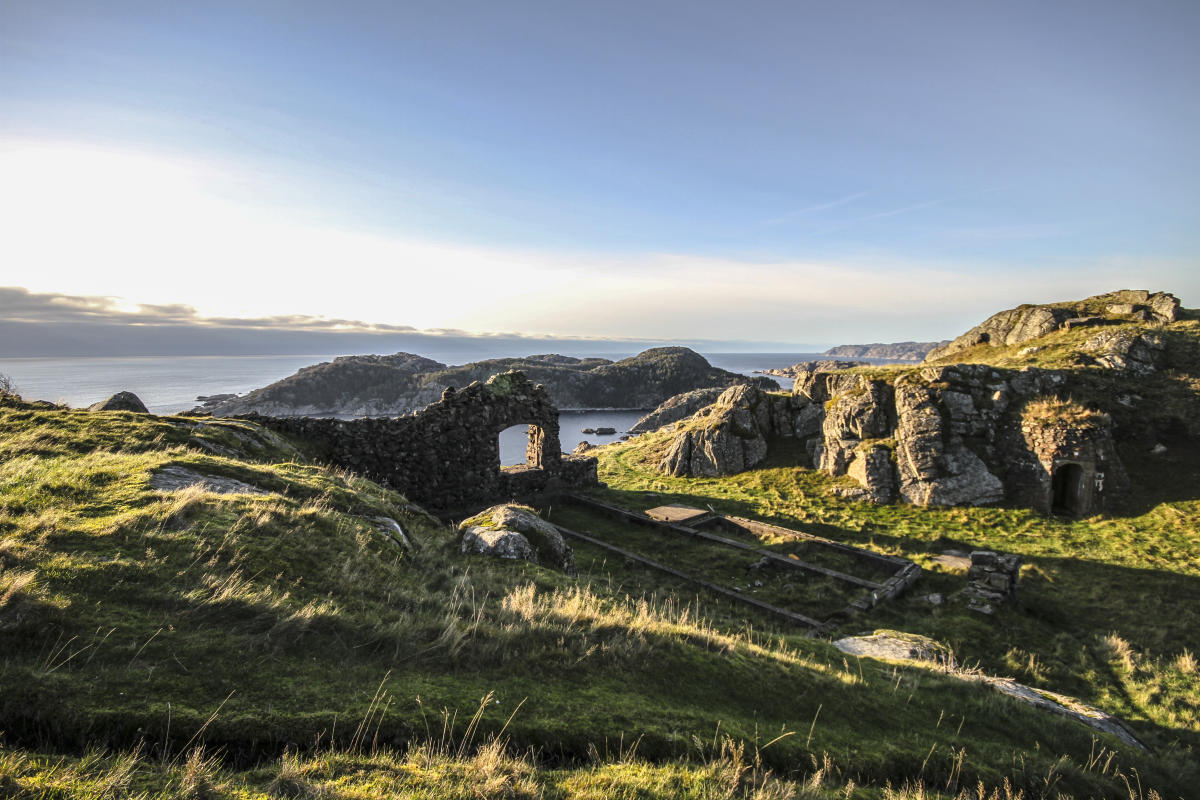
1109, 607
260, 624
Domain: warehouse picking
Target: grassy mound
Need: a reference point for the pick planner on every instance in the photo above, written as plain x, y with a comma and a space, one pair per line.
289, 620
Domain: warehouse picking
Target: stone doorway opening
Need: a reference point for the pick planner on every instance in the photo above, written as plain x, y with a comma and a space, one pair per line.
1066, 487
521, 446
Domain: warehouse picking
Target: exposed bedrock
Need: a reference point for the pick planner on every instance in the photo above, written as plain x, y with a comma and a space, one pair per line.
956, 435
725, 438
1029, 322
675, 408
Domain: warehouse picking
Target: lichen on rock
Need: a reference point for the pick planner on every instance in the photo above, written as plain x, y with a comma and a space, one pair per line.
723, 439
514, 531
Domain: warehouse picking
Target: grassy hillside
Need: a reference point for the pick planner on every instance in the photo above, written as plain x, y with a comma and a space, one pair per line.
1109, 607
310, 654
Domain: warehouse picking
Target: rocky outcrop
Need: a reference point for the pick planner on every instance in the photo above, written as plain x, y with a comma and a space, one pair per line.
958, 435
726, 438
379, 386
896, 351
1029, 322
121, 401
936, 422
512, 531
1011, 327
1123, 349
673, 409
873, 469
808, 367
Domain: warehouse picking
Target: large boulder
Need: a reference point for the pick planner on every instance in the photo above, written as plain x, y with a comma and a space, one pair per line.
482, 541
513, 531
121, 401
723, 439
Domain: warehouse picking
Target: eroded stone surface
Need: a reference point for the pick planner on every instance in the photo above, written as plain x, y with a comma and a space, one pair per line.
727, 438
673, 409
498, 543
1028, 322
492, 532
174, 478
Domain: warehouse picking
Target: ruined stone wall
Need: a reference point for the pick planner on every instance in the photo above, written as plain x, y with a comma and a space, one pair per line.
1050, 452
447, 456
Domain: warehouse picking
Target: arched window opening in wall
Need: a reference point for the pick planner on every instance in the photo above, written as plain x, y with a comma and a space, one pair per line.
1066, 486
520, 445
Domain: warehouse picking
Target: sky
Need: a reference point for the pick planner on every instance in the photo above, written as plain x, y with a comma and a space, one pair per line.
794, 174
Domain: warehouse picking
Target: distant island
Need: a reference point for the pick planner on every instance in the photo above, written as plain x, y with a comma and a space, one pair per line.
896, 351
376, 386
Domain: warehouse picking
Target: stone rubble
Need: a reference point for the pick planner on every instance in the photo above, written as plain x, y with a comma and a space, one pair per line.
991, 580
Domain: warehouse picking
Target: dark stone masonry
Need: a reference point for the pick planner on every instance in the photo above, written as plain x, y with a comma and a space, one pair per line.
446, 457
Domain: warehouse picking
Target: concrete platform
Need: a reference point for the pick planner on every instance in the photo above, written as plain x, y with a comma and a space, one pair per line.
677, 513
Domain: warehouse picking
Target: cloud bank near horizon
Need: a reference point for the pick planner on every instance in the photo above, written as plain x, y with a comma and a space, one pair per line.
54, 324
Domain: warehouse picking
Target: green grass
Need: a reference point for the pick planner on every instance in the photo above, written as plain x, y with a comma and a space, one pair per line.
812, 594
259, 624
1109, 608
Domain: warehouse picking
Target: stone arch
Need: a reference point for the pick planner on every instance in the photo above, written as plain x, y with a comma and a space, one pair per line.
447, 456
1067, 489
534, 446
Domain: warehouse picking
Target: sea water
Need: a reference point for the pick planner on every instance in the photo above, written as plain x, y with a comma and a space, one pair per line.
170, 384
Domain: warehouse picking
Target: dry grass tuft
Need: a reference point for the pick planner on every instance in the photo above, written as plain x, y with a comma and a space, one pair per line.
1048, 411
197, 776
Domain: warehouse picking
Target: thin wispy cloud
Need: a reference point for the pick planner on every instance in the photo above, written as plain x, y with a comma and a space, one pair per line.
792, 216
895, 212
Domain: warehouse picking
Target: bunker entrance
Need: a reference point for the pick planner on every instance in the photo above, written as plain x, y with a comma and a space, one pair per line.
521, 445
1066, 487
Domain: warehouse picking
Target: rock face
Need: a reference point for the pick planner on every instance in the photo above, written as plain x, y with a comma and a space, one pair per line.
874, 471
896, 351
512, 531
725, 438
121, 401
499, 544
375, 386
448, 456
673, 409
1010, 327
958, 435
1137, 353
941, 435
1028, 322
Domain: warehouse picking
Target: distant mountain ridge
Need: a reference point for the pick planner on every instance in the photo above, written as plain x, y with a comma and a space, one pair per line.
377, 385
896, 351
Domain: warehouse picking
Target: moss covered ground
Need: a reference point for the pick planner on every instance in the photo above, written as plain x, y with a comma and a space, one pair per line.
309, 654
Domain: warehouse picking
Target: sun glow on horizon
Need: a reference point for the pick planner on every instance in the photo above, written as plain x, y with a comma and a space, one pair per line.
148, 229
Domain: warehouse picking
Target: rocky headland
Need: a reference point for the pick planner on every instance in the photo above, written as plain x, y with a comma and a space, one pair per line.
379, 386
896, 351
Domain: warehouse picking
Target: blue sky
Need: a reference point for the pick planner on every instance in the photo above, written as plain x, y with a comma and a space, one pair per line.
801, 172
